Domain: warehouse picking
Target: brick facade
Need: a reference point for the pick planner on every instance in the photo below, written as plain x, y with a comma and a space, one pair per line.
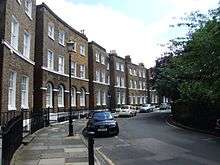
118, 87
109, 79
136, 83
12, 58
57, 78
99, 77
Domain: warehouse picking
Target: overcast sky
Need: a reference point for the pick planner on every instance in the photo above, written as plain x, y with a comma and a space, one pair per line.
131, 27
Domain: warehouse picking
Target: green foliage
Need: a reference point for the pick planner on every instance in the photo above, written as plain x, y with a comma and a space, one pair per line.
193, 72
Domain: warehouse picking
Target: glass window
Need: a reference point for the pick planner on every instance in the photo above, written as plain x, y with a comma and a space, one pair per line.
123, 98
131, 99
61, 96
103, 59
104, 98
50, 60
51, 30
98, 76
108, 66
61, 64
97, 56
118, 98
131, 84
24, 91
122, 82
82, 97
98, 98
83, 50
103, 76
122, 67
61, 38
28, 7
140, 85
135, 84
118, 81
12, 91
27, 44
14, 33
82, 71
49, 96
73, 97
108, 79
73, 68
117, 66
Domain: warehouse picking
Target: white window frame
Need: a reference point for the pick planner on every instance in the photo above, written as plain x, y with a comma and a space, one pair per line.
73, 68
61, 64
60, 96
12, 91
14, 33
27, 44
118, 81
82, 98
122, 67
140, 84
97, 75
104, 98
131, 99
61, 38
98, 98
51, 30
123, 98
24, 92
97, 56
102, 59
117, 66
135, 84
103, 76
130, 71
50, 61
118, 98
122, 82
49, 96
131, 84
144, 76
19, 1
28, 8
82, 73
82, 49
73, 97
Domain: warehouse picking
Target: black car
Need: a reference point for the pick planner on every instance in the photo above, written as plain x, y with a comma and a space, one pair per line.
102, 124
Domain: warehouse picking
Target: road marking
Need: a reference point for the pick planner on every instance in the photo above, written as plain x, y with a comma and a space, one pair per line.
173, 125
105, 157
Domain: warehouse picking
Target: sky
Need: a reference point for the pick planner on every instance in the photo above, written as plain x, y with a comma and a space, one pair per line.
131, 27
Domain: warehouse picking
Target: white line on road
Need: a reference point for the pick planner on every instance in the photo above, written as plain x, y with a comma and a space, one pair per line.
105, 157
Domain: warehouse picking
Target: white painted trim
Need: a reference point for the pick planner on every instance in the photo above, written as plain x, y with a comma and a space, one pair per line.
66, 91
119, 87
97, 82
56, 90
43, 88
62, 74
78, 92
8, 45
87, 93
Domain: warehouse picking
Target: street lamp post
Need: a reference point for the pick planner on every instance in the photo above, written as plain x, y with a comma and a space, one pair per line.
70, 49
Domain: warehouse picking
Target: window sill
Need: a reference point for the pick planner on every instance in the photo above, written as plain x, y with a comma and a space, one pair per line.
12, 108
62, 44
52, 38
29, 16
23, 107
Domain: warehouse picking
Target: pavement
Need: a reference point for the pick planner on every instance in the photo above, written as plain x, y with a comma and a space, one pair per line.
52, 146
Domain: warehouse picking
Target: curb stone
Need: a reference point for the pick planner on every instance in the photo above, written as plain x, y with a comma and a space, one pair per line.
171, 121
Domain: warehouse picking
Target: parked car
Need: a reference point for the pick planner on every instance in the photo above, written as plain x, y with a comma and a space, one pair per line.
127, 111
102, 124
145, 108
164, 106
115, 113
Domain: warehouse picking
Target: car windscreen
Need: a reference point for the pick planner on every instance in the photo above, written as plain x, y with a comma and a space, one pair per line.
102, 116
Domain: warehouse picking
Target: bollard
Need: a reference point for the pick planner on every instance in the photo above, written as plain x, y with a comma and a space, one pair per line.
91, 147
